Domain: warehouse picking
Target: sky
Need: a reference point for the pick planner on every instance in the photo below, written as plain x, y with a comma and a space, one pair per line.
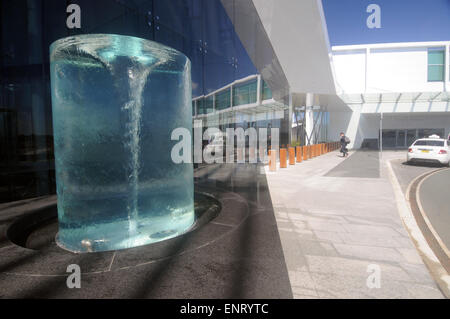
401, 21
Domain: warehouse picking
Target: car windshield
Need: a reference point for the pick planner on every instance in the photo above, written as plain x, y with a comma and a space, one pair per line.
429, 143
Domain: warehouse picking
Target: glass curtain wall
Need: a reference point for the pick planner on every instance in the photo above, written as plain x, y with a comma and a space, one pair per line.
201, 29
319, 131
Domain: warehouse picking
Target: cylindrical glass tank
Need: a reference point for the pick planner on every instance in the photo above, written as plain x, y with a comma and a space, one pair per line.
116, 100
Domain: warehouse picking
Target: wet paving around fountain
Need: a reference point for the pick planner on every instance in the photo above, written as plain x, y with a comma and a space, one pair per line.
235, 253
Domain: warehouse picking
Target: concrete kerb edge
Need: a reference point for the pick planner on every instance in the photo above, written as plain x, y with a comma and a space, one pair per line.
437, 271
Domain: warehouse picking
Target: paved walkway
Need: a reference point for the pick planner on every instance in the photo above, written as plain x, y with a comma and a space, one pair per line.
336, 230
360, 164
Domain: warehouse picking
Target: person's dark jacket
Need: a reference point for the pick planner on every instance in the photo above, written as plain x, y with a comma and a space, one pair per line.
344, 143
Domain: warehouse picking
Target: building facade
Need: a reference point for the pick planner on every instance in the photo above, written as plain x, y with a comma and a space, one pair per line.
398, 92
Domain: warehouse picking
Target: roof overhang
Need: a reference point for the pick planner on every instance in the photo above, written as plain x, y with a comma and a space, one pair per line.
287, 41
299, 36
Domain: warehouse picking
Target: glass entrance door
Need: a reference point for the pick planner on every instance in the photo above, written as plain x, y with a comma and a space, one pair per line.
411, 136
401, 138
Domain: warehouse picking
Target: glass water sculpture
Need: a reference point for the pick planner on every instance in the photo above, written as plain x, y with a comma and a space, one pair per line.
116, 100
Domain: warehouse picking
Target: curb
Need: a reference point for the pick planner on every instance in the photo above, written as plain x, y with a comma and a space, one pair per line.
409, 219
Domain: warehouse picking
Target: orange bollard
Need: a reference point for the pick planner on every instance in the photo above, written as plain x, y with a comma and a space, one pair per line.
283, 158
272, 160
299, 154
291, 156
305, 152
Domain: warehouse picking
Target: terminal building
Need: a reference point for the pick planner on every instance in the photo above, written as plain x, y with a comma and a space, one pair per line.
397, 92
255, 63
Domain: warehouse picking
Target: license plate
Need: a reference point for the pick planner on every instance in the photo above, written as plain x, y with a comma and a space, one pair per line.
425, 151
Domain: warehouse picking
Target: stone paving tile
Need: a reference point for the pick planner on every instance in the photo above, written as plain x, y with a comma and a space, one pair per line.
369, 252
300, 224
301, 279
344, 286
370, 229
369, 239
297, 296
304, 292
294, 257
305, 234
333, 237
354, 267
317, 248
424, 291
326, 226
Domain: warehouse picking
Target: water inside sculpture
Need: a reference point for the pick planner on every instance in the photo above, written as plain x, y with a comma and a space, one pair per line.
116, 101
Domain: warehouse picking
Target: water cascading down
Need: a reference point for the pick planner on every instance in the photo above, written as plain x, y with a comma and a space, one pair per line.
115, 101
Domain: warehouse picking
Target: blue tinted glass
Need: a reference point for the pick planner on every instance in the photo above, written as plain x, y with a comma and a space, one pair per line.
245, 93
436, 57
436, 73
223, 100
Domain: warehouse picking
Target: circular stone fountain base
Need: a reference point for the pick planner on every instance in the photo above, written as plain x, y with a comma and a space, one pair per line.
28, 248
37, 231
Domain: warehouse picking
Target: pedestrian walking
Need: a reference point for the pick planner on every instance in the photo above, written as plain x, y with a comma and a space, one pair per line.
344, 142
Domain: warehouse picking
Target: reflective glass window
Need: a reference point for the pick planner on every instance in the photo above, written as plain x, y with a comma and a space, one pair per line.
245, 93
223, 100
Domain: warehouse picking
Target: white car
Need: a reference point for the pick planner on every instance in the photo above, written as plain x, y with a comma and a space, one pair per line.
431, 149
